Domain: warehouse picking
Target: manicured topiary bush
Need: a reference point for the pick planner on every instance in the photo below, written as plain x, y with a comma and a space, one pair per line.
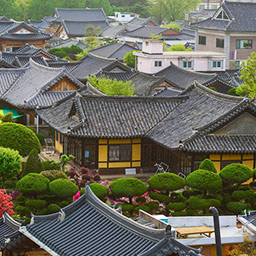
208, 165
63, 188
33, 163
128, 187
177, 207
248, 195
196, 203
204, 180
237, 207
54, 175
52, 208
63, 204
32, 183
99, 190
127, 207
235, 173
179, 214
50, 165
144, 208
191, 192
10, 163
159, 197
41, 212
36, 204
177, 197
22, 210
152, 205
18, 137
166, 182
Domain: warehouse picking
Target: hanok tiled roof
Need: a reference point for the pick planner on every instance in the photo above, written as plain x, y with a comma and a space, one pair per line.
203, 107
90, 227
92, 64
9, 32
168, 92
142, 21
147, 31
241, 18
4, 25
184, 78
26, 85
69, 66
116, 117
9, 234
115, 50
78, 28
249, 220
86, 14
112, 31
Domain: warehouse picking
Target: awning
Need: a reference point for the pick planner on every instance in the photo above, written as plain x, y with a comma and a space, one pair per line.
14, 112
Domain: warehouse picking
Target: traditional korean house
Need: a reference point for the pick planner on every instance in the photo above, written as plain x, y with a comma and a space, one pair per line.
16, 35
90, 227
118, 133
24, 89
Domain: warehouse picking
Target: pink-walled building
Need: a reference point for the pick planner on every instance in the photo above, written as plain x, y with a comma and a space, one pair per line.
153, 58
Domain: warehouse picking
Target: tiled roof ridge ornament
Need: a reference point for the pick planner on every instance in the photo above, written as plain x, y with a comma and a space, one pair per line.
168, 231
61, 216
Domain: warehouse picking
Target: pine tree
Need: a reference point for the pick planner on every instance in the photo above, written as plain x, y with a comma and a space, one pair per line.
33, 163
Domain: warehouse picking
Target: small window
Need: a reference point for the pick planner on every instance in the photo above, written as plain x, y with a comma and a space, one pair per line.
219, 43
120, 152
158, 63
222, 16
202, 40
243, 44
238, 64
187, 64
8, 49
123, 15
217, 64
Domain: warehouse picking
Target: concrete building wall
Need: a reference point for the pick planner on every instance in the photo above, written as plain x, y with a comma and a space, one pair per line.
210, 42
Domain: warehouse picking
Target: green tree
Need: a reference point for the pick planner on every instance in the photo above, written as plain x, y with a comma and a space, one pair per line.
63, 188
18, 137
208, 165
112, 87
33, 163
178, 47
172, 25
248, 77
10, 163
130, 59
101, 4
205, 181
128, 187
91, 42
171, 10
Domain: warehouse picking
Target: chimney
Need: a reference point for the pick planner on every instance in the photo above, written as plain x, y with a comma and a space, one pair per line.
152, 46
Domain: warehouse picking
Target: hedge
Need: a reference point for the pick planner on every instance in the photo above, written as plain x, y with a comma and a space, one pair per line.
166, 182
236, 173
10, 163
204, 180
237, 207
32, 183
160, 197
63, 188
18, 137
208, 165
127, 187
177, 207
54, 175
99, 190
36, 204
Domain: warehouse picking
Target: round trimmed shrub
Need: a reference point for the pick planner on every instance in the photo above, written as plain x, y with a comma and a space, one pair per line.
32, 183
179, 214
128, 187
51, 165
22, 210
208, 165
152, 205
196, 203
247, 195
191, 192
52, 208
236, 173
204, 180
127, 207
41, 212
166, 182
54, 175
63, 188
159, 197
10, 184
141, 200
237, 207
18, 137
33, 163
144, 208
99, 190
177, 207
10, 163
63, 204
36, 204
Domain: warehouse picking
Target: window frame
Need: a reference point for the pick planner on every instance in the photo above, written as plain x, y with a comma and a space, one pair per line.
200, 38
217, 61
238, 43
119, 148
187, 65
158, 63
218, 44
